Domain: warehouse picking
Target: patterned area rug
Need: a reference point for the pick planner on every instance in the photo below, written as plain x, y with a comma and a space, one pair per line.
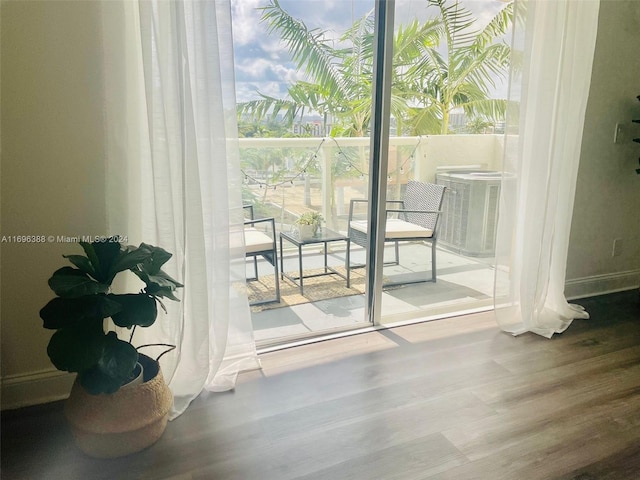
316, 288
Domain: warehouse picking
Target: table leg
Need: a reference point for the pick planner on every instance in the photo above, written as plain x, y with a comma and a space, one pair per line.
325, 258
300, 268
348, 263
281, 261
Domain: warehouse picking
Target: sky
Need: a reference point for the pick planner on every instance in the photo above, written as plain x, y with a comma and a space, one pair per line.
263, 63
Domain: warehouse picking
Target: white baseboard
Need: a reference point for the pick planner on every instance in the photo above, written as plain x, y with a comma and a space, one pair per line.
601, 284
35, 388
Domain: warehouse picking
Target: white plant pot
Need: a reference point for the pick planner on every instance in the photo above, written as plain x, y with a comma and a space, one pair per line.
138, 379
307, 231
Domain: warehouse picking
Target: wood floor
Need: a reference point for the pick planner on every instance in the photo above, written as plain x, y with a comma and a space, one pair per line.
452, 399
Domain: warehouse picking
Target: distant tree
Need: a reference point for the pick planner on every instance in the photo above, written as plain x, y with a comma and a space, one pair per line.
478, 125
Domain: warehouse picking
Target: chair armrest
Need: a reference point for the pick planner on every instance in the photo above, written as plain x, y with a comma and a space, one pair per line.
360, 200
352, 202
270, 220
250, 208
397, 210
402, 213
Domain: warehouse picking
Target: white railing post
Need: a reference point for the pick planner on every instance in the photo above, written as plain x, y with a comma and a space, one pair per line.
326, 156
425, 168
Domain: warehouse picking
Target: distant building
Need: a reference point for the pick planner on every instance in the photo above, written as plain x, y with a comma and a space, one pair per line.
313, 128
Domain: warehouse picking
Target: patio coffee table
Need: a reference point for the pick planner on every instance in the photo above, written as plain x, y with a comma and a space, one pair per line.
323, 236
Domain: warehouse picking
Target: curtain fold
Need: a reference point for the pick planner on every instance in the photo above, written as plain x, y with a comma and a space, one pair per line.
554, 43
174, 179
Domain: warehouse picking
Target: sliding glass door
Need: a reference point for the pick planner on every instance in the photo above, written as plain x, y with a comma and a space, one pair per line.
449, 69
303, 82
371, 118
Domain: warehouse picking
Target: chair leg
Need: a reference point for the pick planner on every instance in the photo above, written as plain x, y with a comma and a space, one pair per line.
255, 267
276, 278
276, 274
433, 262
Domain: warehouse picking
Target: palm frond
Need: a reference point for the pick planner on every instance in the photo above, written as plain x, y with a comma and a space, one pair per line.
484, 67
269, 107
425, 121
458, 22
412, 41
360, 34
497, 27
308, 48
489, 108
431, 68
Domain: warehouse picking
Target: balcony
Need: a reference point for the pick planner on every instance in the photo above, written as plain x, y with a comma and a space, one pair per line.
285, 177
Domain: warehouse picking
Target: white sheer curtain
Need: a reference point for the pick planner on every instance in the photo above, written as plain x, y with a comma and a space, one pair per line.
549, 91
174, 178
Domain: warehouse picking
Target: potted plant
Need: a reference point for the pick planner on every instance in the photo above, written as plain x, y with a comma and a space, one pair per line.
308, 224
109, 416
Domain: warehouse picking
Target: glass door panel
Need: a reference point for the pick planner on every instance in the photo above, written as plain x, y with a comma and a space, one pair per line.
445, 135
303, 109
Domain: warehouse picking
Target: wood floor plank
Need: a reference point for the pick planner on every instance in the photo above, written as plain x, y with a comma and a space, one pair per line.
585, 341
616, 370
622, 465
520, 426
406, 461
295, 453
451, 399
557, 450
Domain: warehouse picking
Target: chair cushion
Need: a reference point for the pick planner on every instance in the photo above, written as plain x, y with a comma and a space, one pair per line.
396, 228
257, 241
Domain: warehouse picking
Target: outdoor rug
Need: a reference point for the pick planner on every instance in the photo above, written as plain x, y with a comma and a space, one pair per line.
315, 288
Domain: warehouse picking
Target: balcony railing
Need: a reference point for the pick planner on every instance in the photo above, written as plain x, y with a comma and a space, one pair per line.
284, 177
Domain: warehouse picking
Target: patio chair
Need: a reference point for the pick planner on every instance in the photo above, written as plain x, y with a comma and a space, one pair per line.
414, 219
258, 243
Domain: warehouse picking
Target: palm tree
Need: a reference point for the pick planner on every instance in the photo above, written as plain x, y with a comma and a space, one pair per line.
426, 87
464, 76
339, 79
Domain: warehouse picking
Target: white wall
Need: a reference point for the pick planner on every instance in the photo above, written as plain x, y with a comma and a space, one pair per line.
52, 172
607, 204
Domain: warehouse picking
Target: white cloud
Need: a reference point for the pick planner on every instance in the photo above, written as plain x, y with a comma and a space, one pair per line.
246, 20
261, 68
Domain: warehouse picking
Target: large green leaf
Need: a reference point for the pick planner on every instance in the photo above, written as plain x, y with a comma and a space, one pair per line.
113, 368
157, 258
129, 258
136, 309
102, 255
162, 279
77, 348
158, 291
71, 282
95, 381
157, 282
161, 284
66, 312
83, 263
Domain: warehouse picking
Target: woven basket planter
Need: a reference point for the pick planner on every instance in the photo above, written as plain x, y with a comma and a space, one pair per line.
124, 422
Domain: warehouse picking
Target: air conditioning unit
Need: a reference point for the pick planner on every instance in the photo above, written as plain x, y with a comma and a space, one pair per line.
469, 212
